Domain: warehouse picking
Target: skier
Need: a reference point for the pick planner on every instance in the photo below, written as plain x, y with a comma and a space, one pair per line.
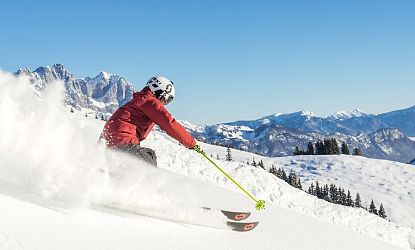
131, 123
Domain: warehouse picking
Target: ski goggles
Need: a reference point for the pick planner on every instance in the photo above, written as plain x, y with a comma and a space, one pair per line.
169, 99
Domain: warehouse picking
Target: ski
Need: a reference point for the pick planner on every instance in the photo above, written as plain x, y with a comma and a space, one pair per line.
236, 216
233, 215
242, 226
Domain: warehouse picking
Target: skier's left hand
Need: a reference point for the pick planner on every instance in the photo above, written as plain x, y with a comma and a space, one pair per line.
196, 148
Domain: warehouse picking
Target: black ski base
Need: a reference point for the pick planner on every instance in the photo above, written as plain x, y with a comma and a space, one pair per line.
236, 216
242, 226
233, 215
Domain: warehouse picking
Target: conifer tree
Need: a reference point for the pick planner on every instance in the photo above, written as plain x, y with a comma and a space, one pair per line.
261, 164
253, 162
372, 208
296, 151
273, 170
382, 212
333, 193
349, 201
228, 154
72, 110
325, 193
102, 118
357, 151
357, 201
310, 148
326, 147
319, 148
323, 148
292, 178
318, 190
341, 196
282, 175
299, 186
279, 173
311, 189
334, 147
345, 149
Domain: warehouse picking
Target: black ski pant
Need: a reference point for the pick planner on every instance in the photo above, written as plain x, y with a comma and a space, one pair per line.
146, 154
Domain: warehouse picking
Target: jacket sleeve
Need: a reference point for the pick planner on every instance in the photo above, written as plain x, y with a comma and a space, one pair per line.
145, 134
160, 116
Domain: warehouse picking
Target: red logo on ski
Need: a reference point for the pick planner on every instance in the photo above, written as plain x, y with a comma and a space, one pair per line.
239, 217
248, 227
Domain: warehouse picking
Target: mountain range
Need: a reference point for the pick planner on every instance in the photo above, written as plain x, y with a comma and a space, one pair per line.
350, 123
275, 140
103, 93
383, 136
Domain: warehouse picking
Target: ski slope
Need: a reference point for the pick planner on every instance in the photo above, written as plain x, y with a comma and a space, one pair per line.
60, 189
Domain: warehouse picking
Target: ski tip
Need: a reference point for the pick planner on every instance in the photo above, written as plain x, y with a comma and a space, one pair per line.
242, 226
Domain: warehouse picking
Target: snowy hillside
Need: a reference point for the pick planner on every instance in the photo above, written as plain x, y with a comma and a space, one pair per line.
59, 189
391, 183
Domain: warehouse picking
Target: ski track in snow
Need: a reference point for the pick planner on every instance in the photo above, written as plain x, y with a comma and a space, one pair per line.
51, 162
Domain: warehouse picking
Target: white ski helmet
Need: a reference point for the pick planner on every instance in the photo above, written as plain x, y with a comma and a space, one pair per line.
161, 88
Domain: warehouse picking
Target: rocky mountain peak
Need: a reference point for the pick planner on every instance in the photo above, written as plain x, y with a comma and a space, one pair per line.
102, 94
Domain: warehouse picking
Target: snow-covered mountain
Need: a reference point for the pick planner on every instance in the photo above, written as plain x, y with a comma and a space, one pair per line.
378, 136
304, 121
103, 93
274, 140
346, 122
403, 119
344, 114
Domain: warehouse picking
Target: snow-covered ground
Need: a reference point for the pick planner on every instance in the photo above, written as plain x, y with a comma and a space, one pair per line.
60, 189
412, 138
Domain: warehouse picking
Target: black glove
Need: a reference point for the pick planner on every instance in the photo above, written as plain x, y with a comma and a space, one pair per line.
197, 148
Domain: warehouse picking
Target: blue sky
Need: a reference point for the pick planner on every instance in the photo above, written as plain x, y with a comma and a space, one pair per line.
230, 60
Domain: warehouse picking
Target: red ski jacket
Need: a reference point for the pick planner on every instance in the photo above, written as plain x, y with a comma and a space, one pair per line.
131, 123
